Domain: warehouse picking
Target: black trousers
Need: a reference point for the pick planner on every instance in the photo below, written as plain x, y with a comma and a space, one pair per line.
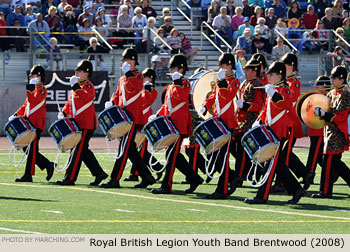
134, 156
35, 157
315, 153
293, 162
279, 167
175, 158
332, 166
82, 153
243, 161
195, 158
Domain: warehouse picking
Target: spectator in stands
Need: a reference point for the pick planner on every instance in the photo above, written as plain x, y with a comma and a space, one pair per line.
345, 14
76, 6
5, 7
86, 14
4, 42
150, 25
105, 19
57, 58
281, 27
36, 4
339, 40
69, 24
54, 21
346, 28
258, 12
237, 20
259, 44
279, 50
98, 4
244, 42
159, 45
95, 50
192, 3
139, 21
338, 57
166, 12
320, 6
213, 11
271, 19
147, 9
248, 11
85, 34
19, 42
205, 4
60, 8
322, 34
89, 3
186, 48
245, 25
264, 29
16, 14
280, 10
328, 20
294, 11
130, 8
310, 18
309, 41
30, 16
260, 3
222, 25
174, 41
124, 26
101, 29
337, 9
231, 11
167, 27
39, 25
45, 7
294, 34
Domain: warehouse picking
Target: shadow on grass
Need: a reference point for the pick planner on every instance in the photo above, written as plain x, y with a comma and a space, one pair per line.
25, 199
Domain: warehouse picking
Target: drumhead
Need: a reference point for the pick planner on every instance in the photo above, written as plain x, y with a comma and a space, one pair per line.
166, 141
24, 139
217, 144
119, 130
69, 141
265, 153
140, 138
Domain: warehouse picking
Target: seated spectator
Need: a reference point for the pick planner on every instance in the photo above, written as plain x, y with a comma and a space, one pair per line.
86, 14
101, 29
271, 19
230, 9
19, 42
294, 11
281, 27
36, 5
338, 57
328, 20
69, 24
186, 48
248, 10
339, 40
309, 41
279, 50
54, 21
280, 10
310, 18
147, 9
98, 4
4, 42
166, 12
89, 3
60, 8
105, 19
139, 21
151, 25
205, 4
213, 11
245, 25
294, 34
346, 28
38, 26
57, 58
158, 43
16, 14
124, 26
167, 27
320, 6
95, 50
174, 41
5, 7
30, 16
45, 7
237, 20
255, 3
222, 25
244, 42
258, 12
264, 29
85, 34
337, 9
130, 10
259, 44
322, 33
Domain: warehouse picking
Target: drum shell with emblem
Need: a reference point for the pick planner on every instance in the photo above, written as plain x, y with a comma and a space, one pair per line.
66, 133
20, 131
260, 143
114, 122
161, 132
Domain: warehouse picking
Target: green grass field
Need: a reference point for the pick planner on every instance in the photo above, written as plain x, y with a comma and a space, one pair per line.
42, 207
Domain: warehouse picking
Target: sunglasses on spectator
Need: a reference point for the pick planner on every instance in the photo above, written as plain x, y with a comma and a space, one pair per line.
93, 42
166, 11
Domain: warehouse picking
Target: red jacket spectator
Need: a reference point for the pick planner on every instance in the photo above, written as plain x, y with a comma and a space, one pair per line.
309, 20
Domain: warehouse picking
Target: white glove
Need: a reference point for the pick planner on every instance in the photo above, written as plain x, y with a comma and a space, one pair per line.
222, 74
239, 103
125, 67
60, 115
269, 90
256, 123
319, 112
33, 81
202, 111
108, 104
73, 80
151, 118
12, 117
176, 76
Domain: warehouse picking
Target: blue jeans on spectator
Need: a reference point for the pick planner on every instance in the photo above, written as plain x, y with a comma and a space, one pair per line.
37, 39
299, 45
309, 47
228, 34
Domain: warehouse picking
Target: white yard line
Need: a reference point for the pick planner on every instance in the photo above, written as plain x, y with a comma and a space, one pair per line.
52, 211
18, 231
123, 210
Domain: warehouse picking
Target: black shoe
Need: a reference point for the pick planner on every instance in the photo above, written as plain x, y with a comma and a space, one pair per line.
216, 195
65, 182
321, 196
255, 201
149, 180
24, 178
192, 188
307, 179
208, 179
111, 184
99, 178
184, 182
159, 176
233, 185
277, 189
297, 196
49, 170
161, 191
132, 177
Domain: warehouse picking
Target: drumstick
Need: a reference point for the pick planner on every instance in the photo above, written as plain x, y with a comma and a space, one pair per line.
264, 87
112, 96
58, 105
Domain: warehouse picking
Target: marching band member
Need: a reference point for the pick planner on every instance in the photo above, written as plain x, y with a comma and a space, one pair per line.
80, 106
34, 108
128, 95
260, 57
274, 114
176, 105
336, 139
224, 91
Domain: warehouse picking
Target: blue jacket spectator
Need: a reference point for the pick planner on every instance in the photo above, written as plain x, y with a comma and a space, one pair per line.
244, 42
39, 25
260, 3
280, 10
242, 27
16, 14
30, 16
294, 33
5, 8
46, 5
205, 5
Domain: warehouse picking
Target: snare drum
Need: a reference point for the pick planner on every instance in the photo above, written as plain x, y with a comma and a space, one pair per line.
115, 122
140, 137
260, 143
161, 132
66, 133
20, 131
211, 135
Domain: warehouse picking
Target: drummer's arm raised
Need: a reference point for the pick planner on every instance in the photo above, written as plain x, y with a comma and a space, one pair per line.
228, 93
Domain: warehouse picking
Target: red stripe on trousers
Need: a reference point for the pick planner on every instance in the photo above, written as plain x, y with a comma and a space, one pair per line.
328, 171
272, 173
227, 167
172, 168
143, 148
125, 155
32, 166
195, 158
313, 167
289, 146
76, 161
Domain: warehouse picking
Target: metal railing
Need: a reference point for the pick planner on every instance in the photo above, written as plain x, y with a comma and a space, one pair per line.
177, 7
203, 34
286, 40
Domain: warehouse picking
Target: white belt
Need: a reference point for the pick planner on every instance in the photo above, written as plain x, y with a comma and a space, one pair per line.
218, 109
29, 111
146, 110
270, 120
131, 100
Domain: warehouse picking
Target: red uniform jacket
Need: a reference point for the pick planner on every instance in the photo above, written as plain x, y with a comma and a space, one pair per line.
225, 98
148, 99
132, 86
295, 86
278, 110
179, 94
80, 105
315, 132
34, 107
263, 78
